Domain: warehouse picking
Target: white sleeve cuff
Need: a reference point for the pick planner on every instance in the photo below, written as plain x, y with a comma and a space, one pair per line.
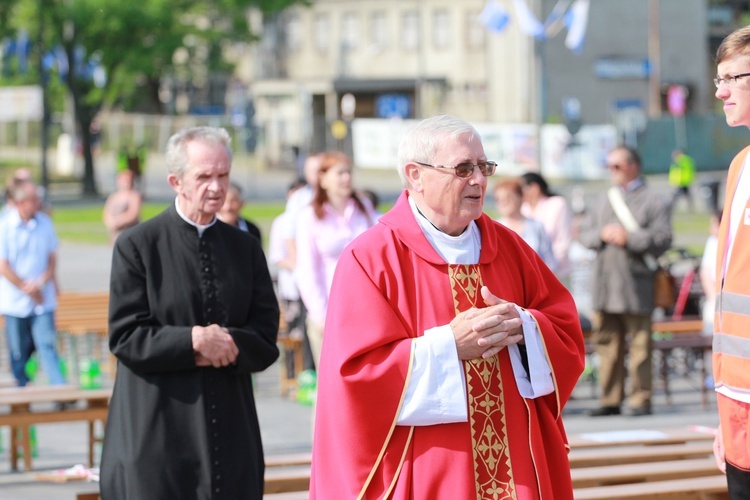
539, 382
436, 393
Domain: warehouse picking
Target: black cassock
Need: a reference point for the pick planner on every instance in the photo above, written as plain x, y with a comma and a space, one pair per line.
177, 431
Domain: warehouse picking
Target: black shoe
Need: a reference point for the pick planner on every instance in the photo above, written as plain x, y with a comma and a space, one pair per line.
605, 411
640, 411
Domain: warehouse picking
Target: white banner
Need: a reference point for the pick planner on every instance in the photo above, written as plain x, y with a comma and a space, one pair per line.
514, 147
20, 103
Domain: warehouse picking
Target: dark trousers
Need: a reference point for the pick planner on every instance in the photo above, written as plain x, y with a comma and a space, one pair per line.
738, 481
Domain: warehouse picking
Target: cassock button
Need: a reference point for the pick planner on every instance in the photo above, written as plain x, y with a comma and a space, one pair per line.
218, 490
216, 463
213, 420
206, 269
218, 477
213, 407
209, 309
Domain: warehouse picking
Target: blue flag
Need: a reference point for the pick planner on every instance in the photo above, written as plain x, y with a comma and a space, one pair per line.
494, 17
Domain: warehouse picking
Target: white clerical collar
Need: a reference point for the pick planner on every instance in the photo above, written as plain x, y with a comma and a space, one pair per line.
199, 227
461, 249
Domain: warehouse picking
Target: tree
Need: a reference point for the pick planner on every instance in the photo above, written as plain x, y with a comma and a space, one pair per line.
112, 48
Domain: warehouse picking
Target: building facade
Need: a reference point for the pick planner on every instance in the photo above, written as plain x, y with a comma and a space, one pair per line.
417, 58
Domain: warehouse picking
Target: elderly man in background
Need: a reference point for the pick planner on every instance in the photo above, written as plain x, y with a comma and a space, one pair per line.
450, 348
28, 294
192, 315
629, 227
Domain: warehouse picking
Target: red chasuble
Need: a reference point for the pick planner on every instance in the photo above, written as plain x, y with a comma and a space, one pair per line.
389, 287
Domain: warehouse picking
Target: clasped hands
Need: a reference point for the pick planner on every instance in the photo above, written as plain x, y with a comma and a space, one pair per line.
483, 332
213, 346
614, 234
34, 290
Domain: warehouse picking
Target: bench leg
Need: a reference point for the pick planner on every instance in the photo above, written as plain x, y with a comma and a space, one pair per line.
26, 447
665, 353
92, 438
14, 448
25, 440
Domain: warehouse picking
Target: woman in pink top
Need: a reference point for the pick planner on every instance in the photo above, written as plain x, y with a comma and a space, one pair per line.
553, 212
334, 218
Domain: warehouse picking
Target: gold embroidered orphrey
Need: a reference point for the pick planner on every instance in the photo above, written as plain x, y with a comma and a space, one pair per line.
492, 471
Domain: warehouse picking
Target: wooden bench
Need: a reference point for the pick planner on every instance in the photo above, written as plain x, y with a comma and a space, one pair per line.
644, 464
598, 460
91, 406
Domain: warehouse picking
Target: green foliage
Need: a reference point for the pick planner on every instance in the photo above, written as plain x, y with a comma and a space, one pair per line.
83, 223
136, 43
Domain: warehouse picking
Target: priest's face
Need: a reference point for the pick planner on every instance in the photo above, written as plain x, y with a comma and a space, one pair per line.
447, 200
201, 190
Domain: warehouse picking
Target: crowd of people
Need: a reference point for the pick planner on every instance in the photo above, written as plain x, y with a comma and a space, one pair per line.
446, 343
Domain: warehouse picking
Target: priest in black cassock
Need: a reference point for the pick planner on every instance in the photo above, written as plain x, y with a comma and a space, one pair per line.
192, 315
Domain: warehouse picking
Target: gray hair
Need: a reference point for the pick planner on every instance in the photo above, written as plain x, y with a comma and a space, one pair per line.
421, 141
176, 155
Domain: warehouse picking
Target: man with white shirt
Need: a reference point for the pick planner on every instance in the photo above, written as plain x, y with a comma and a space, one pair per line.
28, 295
450, 348
731, 346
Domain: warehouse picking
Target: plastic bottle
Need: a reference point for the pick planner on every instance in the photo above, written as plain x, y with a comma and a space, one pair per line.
90, 374
32, 367
307, 382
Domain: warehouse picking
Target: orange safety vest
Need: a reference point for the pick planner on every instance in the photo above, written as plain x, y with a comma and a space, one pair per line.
731, 345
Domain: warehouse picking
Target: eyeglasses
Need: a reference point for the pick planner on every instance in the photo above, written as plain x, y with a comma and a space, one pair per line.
729, 80
465, 169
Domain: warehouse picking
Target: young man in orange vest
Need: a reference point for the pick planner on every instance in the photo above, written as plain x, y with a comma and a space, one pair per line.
731, 346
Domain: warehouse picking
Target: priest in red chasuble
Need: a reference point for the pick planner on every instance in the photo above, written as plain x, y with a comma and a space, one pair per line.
450, 349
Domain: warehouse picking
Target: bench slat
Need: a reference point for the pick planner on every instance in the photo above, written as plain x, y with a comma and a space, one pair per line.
284, 479
646, 437
586, 477
595, 457
288, 459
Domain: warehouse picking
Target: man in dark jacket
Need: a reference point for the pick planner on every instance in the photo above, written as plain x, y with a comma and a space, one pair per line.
192, 315
629, 226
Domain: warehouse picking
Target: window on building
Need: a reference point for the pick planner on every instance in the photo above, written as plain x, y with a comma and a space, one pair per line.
350, 30
378, 31
410, 30
441, 29
322, 32
474, 30
293, 32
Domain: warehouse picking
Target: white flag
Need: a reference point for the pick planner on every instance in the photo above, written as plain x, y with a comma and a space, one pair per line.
527, 21
577, 19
